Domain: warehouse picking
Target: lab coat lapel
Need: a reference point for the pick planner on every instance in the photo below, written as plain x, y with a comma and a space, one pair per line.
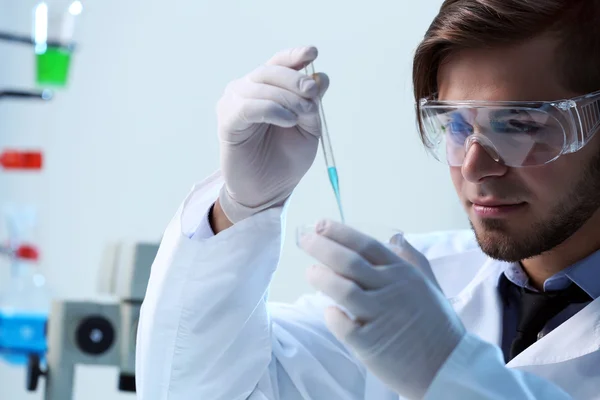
568, 356
577, 337
479, 305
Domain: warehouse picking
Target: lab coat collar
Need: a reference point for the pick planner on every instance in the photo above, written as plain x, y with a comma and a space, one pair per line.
576, 337
479, 304
480, 307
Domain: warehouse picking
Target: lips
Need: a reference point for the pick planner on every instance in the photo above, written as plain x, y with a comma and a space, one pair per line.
492, 208
493, 203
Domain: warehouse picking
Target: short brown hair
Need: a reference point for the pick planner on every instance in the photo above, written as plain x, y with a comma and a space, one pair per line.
463, 24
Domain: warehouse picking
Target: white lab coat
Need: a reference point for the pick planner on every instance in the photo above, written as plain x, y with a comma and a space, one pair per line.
207, 332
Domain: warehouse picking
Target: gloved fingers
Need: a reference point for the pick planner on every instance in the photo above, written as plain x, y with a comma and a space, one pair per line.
343, 291
285, 98
369, 248
295, 58
241, 114
339, 323
342, 260
312, 123
282, 86
403, 249
285, 78
400, 276
322, 81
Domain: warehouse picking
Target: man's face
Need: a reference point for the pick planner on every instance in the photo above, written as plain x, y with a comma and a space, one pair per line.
542, 206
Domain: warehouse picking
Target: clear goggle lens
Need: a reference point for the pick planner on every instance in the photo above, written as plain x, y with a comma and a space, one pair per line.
513, 136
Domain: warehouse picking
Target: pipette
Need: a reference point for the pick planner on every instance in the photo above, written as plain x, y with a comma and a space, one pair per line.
327, 149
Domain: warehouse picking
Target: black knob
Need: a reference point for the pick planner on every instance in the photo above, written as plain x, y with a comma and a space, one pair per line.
34, 372
95, 335
126, 382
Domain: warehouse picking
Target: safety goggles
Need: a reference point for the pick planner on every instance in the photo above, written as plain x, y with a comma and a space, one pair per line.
513, 133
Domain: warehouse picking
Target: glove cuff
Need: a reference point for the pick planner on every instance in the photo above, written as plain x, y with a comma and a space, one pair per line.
236, 212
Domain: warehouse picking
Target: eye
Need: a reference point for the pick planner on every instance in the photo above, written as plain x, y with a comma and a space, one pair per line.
458, 128
525, 126
516, 126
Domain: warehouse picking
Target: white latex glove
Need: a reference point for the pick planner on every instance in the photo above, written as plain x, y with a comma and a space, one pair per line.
269, 129
405, 329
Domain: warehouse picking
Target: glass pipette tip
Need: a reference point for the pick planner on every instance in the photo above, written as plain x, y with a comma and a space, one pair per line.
327, 149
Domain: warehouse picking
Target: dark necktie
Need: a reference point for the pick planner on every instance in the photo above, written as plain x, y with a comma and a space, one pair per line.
537, 308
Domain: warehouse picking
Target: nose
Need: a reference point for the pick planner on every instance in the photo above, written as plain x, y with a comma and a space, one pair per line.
479, 164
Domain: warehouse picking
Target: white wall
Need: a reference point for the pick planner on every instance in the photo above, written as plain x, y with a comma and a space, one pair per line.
136, 128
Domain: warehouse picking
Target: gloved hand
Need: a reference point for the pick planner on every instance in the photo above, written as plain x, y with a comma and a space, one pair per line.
269, 128
404, 328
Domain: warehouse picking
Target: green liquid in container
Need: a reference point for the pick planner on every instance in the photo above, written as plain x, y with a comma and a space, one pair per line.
53, 66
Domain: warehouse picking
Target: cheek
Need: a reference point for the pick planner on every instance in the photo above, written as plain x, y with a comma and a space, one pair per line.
548, 183
457, 179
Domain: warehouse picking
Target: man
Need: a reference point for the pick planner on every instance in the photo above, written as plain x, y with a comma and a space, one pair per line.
489, 77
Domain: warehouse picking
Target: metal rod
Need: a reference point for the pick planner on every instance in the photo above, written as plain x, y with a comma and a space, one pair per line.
44, 94
22, 39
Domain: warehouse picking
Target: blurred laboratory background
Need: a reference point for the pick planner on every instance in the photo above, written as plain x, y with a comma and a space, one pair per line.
108, 121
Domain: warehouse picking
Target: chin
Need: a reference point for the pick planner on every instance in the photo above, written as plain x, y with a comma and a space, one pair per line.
501, 241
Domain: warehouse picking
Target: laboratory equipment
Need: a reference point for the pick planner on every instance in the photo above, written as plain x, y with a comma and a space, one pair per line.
52, 39
97, 332
25, 298
24, 39
45, 94
79, 332
24, 304
328, 150
53, 29
13, 159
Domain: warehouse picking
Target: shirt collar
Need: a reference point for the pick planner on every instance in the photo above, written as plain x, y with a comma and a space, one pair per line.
585, 274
